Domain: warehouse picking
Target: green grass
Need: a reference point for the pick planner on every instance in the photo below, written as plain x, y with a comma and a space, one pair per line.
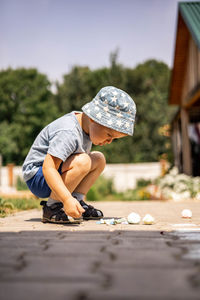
103, 190
9, 206
21, 184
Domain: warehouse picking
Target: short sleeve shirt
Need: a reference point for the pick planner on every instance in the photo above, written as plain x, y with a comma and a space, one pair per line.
61, 138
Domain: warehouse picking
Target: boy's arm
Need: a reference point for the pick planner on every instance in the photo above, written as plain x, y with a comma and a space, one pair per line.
50, 166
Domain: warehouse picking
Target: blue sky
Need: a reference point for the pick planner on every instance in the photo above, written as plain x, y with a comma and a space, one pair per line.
54, 35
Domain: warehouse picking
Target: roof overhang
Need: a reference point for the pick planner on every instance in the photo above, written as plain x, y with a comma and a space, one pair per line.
180, 56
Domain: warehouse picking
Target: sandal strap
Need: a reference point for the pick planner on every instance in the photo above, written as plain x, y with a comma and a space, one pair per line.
43, 203
58, 205
60, 215
55, 211
90, 211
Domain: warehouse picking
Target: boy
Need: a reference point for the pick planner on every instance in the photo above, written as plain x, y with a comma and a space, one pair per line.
60, 166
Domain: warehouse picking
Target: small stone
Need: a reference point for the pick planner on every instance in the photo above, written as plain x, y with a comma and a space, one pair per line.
112, 222
148, 219
186, 213
134, 218
124, 223
120, 221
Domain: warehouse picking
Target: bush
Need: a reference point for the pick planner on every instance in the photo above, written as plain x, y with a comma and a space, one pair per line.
143, 183
102, 188
136, 195
8, 206
177, 186
21, 184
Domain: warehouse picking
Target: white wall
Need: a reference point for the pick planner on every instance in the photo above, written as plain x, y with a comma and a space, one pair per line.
4, 175
124, 175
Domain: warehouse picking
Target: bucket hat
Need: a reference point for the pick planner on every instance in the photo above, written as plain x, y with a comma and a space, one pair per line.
112, 108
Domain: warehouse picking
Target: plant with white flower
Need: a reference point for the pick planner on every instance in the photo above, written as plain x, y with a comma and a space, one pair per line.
179, 186
167, 193
167, 180
197, 197
196, 185
174, 171
175, 196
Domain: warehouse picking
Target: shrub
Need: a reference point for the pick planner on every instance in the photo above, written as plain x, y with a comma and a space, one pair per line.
179, 186
102, 188
140, 183
21, 184
8, 206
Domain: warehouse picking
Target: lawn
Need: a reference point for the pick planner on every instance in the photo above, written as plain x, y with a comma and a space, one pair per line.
12, 205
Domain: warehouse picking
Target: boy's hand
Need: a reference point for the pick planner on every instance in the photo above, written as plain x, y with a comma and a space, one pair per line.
73, 208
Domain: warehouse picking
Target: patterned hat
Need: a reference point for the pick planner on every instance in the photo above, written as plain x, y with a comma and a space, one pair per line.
112, 108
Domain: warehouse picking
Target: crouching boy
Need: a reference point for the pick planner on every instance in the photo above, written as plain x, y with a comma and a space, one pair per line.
60, 165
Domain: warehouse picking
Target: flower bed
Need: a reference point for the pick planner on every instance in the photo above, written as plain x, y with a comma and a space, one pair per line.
175, 186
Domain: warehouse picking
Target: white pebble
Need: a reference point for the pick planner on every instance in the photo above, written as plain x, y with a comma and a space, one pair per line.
133, 218
148, 219
186, 213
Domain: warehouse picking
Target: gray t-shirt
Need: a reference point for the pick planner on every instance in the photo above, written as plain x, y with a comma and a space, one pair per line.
61, 138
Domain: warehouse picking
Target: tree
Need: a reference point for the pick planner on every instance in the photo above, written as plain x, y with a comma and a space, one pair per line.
26, 106
151, 81
148, 86
73, 91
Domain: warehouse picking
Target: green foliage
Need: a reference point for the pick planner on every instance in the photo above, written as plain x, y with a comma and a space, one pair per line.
21, 184
177, 186
143, 183
8, 206
102, 188
149, 87
73, 91
27, 105
136, 194
147, 84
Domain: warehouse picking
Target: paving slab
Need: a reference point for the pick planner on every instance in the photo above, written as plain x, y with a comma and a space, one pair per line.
93, 261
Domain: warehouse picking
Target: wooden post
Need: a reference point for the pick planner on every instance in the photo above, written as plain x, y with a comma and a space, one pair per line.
163, 166
186, 148
176, 144
10, 174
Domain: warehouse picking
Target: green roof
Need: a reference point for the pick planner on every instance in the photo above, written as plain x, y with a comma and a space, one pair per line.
190, 12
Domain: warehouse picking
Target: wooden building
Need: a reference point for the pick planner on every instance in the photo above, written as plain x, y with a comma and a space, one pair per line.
185, 89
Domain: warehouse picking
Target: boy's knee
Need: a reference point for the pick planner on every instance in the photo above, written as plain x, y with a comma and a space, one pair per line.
99, 159
83, 162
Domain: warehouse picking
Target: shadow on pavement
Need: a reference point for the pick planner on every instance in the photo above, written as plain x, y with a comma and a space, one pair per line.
119, 264
33, 220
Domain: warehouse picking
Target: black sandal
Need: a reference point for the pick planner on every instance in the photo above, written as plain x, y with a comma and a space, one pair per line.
90, 212
55, 214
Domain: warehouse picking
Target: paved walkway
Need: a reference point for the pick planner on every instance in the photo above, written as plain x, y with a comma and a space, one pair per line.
91, 261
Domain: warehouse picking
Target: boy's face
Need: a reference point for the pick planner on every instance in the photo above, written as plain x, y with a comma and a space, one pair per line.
101, 135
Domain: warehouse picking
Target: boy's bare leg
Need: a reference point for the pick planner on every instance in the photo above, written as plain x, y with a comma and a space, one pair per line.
98, 165
74, 169
80, 171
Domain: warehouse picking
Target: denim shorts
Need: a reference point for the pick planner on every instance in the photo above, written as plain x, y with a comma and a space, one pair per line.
38, 185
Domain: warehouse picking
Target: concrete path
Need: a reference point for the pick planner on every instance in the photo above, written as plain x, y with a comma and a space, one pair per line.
91, 261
